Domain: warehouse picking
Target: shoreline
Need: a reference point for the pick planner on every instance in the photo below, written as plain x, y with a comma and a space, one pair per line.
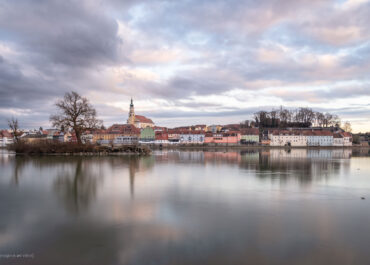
190, 148
238, 147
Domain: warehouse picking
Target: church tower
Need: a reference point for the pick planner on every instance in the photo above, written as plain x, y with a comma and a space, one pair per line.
131, 114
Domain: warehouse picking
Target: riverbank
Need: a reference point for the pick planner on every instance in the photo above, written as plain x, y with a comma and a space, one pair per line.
249, 147
74, 149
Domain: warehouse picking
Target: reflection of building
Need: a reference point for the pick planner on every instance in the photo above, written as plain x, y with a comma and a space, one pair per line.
138, 120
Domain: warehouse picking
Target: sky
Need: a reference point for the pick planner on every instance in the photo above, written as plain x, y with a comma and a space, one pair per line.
187, 61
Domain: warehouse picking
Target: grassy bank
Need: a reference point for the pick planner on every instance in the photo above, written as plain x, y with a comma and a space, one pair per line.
54, 147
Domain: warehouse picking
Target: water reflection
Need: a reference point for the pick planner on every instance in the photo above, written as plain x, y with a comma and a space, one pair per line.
78, 188
270, 206
301, 164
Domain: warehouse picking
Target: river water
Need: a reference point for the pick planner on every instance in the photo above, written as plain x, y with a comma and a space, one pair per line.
187, 207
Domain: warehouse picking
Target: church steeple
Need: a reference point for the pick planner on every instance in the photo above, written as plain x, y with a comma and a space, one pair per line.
131, 114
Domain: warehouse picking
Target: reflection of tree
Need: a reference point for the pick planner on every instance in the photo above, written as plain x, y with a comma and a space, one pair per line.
133, 167
137, 164
77, 189
20, 162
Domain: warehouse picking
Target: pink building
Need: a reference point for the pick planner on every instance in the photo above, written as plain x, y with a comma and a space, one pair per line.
222, 138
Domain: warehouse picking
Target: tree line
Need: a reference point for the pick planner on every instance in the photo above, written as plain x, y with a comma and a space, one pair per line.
301, 117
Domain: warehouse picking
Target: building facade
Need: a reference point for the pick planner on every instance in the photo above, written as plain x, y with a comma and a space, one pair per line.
114, 131
337, 139
147, 135
161, 137
222, 138
191, 137
287, 138
125, 140
250, 136
138, 120
319, 138
347, 139
6, 138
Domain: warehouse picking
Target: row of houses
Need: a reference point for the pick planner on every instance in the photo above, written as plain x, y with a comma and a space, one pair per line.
127, 133
309, 138
231, 134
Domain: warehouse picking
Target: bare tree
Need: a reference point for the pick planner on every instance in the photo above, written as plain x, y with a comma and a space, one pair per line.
335, 121
320, 118
327, 119
14, 127
347, 126
76, 113
284, 115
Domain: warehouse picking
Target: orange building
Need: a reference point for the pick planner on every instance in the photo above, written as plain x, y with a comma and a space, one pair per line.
222, 138
114, 131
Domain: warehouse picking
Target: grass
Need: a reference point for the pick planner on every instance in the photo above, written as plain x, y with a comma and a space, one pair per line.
54, 147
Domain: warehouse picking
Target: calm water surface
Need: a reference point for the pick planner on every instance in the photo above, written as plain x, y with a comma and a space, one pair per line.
180, 207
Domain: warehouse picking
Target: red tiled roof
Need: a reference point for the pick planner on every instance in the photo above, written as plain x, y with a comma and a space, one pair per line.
6, 134
318, 133
337, 135
346, 134
250, 131
191, 132
159, 128
122, 129
161, 135
143, 119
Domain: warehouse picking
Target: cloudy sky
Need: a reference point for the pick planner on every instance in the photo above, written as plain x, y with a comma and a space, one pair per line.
185, 61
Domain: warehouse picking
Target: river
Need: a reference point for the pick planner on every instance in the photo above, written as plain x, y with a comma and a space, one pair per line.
263, 206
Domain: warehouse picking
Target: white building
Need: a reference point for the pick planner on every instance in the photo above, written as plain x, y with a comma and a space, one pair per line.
87, 138
288, 138
337, 139
161, 141
6, 138
192, 138
122, 140
347, 139
319, 138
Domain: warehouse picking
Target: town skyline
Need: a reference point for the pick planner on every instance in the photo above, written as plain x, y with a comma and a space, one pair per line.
181, 67
147, 120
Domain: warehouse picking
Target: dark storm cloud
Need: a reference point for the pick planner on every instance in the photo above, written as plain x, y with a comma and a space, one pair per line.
20, 91
59, 42
72, 33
